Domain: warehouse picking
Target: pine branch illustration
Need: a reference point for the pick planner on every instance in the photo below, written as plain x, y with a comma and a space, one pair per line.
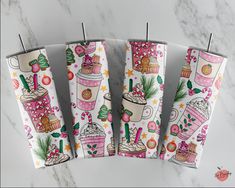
180, 93
148, 87
43, 146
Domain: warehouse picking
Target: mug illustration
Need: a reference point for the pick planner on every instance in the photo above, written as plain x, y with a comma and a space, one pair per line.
196, 113
36, 102
29, 62
208, 66
132, 145
92, 137
144, 57
135, 101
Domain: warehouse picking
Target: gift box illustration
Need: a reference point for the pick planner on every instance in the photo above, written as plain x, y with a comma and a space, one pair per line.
92, 137
144, 57
193, 106
37, 100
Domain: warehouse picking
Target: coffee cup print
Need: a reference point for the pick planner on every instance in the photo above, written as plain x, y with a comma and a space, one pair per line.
197, 112
208, 66
37, 104
145, 57
87, 90
39, 108
92, 137
136, 107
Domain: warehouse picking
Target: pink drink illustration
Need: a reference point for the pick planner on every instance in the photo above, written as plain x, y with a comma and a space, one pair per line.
196, 113
207, 68
144, 57
37, 104
87, 90
132, 145
92, 138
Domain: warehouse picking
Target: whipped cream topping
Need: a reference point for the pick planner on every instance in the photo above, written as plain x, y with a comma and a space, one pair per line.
132, 146
92, 130
33, 94
202, 106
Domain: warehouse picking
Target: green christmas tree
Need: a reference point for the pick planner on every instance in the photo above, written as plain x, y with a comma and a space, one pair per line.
43, 63
149, 88
103, 113
69, 56
180, 93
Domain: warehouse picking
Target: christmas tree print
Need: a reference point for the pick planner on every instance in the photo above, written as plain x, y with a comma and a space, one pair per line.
180, 93
103, 113
43, 63
69, 56
43, 146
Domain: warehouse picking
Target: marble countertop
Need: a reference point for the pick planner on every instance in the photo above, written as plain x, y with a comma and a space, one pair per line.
57, 21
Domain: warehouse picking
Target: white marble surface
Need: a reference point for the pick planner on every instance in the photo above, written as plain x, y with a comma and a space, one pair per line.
44, 22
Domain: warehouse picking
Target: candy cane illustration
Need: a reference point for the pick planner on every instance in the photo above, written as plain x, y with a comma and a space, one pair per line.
189, 56
207, 89
88, 114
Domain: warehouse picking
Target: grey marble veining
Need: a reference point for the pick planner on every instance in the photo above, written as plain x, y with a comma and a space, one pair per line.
56, 21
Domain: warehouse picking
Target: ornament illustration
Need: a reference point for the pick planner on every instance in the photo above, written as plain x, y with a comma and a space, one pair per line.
174, 130
132, 145
171, 146
222, 174
144, 57
207, 68
70, 75
151, 143
36, 102
92, 137
136, 99
69, 56
46, 80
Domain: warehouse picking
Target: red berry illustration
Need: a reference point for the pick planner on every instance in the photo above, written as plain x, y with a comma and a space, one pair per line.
70, 75
46, 80
222, 175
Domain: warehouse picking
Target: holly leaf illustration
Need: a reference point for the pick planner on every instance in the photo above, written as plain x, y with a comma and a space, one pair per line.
95, 152
76, 126
196, 90
181, 127
193, 119
89, 146
63, 128
159, 79
55, 135
189, 84
94, 146
189, 116
185, 121
89, 152
158, 123
189, 124
185, 130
